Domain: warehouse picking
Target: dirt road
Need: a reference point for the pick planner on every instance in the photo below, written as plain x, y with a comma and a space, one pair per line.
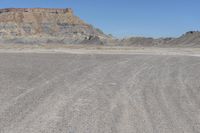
88, 93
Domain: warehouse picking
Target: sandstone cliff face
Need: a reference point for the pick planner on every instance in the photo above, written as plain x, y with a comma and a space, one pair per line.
41, 22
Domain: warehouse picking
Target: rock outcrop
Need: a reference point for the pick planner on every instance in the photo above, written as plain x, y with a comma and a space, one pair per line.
41, 25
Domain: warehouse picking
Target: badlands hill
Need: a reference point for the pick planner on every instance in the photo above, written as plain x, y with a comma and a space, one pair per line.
41, 25
189, 39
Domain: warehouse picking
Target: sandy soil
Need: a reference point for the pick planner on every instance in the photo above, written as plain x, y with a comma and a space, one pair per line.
87, 49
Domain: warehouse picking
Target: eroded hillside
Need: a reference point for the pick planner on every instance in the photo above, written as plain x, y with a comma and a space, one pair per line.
27, 23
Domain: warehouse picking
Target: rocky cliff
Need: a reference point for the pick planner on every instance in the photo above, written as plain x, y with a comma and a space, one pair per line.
41, 25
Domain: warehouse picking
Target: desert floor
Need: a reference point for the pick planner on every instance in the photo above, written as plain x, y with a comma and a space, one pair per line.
100, 91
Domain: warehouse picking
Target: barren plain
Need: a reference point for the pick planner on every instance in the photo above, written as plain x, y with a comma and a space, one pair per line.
100, 91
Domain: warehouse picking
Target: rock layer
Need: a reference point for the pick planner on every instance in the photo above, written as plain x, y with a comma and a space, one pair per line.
18, 23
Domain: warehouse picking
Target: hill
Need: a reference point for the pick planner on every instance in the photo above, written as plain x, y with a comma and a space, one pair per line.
189, 39
42, 25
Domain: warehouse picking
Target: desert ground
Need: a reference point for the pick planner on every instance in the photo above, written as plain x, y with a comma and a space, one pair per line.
100, 91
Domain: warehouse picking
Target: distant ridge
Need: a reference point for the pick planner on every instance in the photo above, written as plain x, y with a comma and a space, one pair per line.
189, 39
61, 26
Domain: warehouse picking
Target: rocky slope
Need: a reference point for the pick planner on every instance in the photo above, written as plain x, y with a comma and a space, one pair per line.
189, 39
41, 25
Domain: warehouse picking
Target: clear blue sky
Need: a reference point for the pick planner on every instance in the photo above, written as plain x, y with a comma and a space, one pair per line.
153, 18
